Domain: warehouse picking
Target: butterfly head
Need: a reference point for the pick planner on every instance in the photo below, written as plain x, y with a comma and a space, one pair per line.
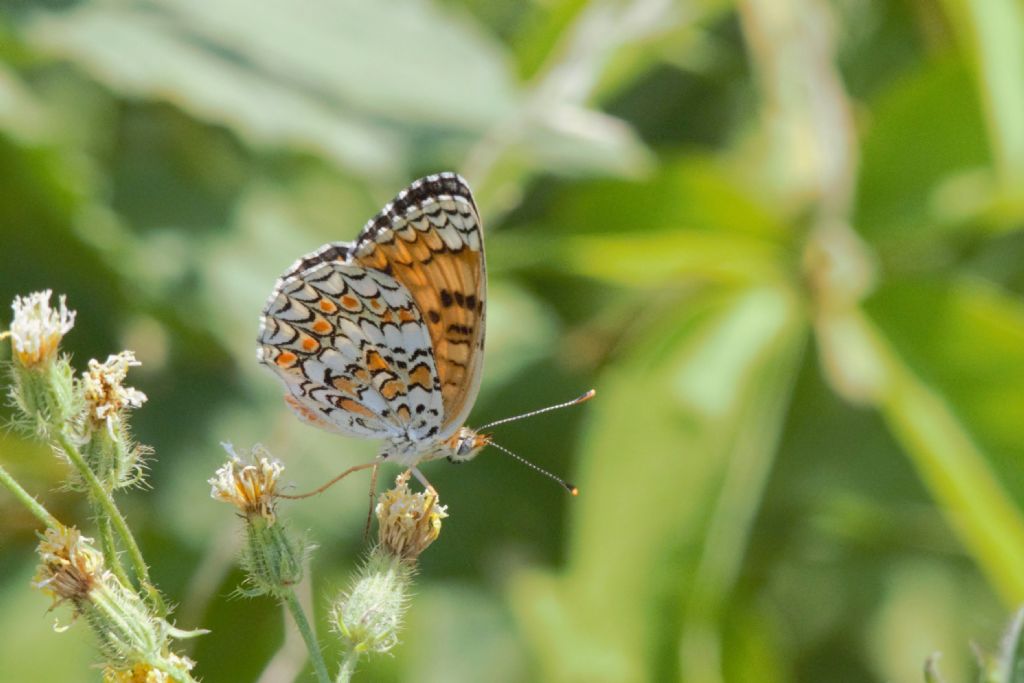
464, 445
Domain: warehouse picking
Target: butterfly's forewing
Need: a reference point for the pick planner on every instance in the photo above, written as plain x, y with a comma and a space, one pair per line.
429, 239
352, 348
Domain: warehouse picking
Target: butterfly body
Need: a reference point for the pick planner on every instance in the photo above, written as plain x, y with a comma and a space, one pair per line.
383, 337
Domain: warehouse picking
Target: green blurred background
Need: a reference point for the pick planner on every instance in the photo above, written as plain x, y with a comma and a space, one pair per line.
781, 238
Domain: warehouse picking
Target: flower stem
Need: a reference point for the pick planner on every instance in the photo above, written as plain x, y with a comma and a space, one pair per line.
29, 501
307, 635
106, 533
106, 503
348, 666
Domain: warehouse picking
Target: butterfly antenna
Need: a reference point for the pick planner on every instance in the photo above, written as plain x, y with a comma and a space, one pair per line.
564, 484
579, 399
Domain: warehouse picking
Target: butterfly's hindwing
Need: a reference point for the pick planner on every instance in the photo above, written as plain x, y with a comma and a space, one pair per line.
354, 352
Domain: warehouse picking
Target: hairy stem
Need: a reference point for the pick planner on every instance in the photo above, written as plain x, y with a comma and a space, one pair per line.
292, 602
28, 500
105, 501
107, 542
348, 666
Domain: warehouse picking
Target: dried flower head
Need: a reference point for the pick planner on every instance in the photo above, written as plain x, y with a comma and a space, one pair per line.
106, 397
147, 673
140, 673
70, 567
409, 522
37, 329
250, 486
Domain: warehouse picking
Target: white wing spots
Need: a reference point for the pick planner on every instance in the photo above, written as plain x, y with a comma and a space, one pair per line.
332, 285
343, 353
408, 233
451, 237
363, 287
395, 298
472, 238
349, 331
393, 337
353, 351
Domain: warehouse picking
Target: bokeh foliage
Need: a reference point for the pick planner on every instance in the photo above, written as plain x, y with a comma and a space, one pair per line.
783, 240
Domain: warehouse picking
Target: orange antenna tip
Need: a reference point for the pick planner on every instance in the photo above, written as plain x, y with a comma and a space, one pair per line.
579, 399
536, 468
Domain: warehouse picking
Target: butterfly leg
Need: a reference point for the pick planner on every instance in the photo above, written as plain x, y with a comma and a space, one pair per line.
373, 498
331, 483
421, 479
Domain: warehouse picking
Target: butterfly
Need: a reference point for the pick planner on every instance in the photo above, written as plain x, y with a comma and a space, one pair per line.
383, 337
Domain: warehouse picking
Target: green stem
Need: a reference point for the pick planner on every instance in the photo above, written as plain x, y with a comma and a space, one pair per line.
348, 666
29, 501
106, 503
106, 533
307, 635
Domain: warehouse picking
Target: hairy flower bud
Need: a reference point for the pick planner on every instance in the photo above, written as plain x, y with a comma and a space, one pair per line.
43, 383
368, 617
272, 558
102, 427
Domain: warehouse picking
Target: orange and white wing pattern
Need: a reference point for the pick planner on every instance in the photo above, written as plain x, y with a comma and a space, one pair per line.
429, 238
354, 353
383, 337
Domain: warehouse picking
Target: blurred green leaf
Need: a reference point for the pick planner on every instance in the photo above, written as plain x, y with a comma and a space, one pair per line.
690, 221
688, 192
992, 31
21, 115
938, 328
573, 140
945, 452
906, 155
672, 422
181, 57
654, 259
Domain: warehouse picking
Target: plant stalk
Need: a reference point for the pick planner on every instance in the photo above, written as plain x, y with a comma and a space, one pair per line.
106, 534
348, 666
292, 602
29, 501
106, 504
